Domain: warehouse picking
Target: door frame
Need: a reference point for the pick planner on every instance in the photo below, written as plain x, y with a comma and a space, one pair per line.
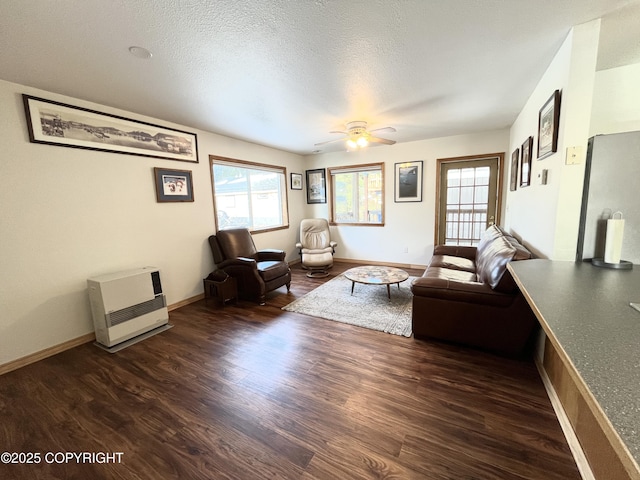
468, 158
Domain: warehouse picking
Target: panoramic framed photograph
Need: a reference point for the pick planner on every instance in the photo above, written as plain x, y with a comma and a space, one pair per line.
548, 120
173, 185
55, 123
525, 164
515, 159
296, 181
408, 181
316, 186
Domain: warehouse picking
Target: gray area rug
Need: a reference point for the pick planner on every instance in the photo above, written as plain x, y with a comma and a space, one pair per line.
368, 307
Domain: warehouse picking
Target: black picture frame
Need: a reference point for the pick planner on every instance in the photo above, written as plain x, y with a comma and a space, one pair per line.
548, 121
64, 125
515, 160
408, 182
525, 163
173, 185
316, 186
296, 181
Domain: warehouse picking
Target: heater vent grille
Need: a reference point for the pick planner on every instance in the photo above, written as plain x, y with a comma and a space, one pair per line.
134, 311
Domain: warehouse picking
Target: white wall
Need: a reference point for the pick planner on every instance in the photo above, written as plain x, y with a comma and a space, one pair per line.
407, 226
68, 214
547, 216
616, 100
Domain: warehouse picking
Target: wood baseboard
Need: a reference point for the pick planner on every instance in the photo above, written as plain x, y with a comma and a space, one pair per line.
47, 352
89, 337
186, 301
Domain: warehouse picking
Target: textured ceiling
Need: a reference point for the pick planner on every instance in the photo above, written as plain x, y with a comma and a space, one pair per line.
283, 73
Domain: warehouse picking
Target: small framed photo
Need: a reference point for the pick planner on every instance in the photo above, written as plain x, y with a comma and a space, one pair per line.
525, 163
408, 181
515, 159
173, 185
548, 120
316, 186
296, 181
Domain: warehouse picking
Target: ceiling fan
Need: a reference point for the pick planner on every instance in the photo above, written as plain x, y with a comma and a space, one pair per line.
357, 135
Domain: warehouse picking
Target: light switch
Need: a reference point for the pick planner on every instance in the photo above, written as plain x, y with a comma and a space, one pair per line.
574, 156
543, 176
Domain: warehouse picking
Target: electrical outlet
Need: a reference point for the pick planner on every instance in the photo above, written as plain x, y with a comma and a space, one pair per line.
405, 250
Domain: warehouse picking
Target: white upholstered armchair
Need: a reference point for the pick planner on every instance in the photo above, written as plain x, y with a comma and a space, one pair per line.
316, 247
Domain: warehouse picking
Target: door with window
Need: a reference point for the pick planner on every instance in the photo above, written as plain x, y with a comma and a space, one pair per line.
468, 198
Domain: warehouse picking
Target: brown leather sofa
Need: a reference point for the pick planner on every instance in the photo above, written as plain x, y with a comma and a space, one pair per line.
467, 296
257, 272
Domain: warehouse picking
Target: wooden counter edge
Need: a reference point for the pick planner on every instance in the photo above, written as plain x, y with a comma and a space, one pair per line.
598, 413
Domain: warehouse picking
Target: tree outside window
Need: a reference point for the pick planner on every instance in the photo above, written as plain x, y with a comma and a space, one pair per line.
357, 194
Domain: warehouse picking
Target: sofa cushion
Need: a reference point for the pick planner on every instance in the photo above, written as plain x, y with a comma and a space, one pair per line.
450, 274
506, 283
492, 261
489, 235
453, 263
472, 293
456, 251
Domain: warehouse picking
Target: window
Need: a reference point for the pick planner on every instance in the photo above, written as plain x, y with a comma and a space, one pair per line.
247, 194
357, 194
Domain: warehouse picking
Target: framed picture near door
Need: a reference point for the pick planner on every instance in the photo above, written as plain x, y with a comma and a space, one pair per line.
525, 164
548, 120
408, 182
515, 160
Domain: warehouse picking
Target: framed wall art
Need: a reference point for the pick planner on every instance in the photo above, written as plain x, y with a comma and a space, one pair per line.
408, 181
525, 164
548, 120
515, 159
55, 123
316, 186
296, 181
173, 185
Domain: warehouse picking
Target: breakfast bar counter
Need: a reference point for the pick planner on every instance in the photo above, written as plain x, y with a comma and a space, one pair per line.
586, 315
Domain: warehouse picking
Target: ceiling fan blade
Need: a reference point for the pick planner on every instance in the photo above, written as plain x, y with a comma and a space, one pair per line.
330, 141
383, 129
339, 131
381, 140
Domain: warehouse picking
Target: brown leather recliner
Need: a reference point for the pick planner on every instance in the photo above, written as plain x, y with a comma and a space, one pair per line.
257, 272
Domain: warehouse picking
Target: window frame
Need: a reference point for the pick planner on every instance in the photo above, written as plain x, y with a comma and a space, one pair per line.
332, 171
234, 162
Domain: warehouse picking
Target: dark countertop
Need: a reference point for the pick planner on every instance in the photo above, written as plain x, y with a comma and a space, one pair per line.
587, 310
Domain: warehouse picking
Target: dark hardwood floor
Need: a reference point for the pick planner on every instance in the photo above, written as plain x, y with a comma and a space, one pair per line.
252, 392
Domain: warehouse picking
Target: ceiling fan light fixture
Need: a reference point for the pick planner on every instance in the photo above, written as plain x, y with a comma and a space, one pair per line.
362, 142
357, 136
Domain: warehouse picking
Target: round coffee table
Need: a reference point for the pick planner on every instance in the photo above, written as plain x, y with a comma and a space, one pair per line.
376, 275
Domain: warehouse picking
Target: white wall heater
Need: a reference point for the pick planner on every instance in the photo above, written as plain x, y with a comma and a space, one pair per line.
127, 307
